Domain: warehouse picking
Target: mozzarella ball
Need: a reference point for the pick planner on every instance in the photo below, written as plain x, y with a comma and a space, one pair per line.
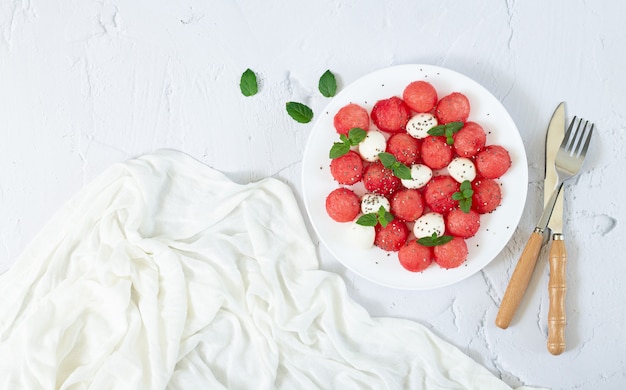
360, 236
373, 144
420, 175
419, 125
428, 224
461, 169
370, 203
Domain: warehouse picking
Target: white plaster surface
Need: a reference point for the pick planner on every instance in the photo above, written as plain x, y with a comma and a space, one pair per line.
85, 84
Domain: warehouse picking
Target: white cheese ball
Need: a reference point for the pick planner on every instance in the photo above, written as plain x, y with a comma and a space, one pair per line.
428, 224
419, 125
420, 176
461, 169
373, 144
370, 203
361, 237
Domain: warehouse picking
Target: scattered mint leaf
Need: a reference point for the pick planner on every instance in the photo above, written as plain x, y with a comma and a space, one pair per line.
399, 170
299, 112
447, 130
328, 84
354, 137
434, 240
372, 219
464, 196
248, 83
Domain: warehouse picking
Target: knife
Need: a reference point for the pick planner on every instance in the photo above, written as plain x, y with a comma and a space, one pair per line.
526, 263
557, 254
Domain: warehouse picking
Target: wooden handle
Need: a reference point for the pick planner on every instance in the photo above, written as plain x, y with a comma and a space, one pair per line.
519, 280
557, 289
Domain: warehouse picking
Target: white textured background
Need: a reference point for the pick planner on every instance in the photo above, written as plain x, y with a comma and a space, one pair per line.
84, 84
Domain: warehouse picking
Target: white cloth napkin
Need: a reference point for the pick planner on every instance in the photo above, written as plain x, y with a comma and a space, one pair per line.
162, 273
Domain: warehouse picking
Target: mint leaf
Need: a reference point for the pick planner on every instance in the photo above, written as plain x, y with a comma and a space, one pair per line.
466, 189
434, 240
437, 130
338, 149
464, 196
299, 112
327, 84
355, 135
402, 172
387, 159
465, 205
382, 216
454, 126
447, 130
248, 83
399, 170
367, 220
457, 195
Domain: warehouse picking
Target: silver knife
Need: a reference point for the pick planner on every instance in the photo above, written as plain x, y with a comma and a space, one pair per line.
526, 264
557, 254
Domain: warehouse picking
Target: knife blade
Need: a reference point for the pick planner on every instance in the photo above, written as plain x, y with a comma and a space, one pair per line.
528, 259
554, 137
557, 254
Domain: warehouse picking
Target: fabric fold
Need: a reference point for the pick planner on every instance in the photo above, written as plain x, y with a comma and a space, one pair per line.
164, 274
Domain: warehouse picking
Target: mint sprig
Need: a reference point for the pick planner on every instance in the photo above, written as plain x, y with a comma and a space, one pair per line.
446, 130
299, 112
372, 219
248, 83
354, 137
464, 196
434, 240
327, 84
399, 170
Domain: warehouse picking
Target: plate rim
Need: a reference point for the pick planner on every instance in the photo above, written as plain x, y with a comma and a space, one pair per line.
521, 157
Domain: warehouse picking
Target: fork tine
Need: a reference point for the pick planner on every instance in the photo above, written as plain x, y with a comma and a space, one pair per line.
573, 143
583, 151
579, 136
566, 136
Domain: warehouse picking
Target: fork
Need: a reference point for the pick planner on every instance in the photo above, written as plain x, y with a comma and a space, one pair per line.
568, 161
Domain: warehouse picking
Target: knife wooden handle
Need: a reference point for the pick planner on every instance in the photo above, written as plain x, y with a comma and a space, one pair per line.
519, 280
557, 289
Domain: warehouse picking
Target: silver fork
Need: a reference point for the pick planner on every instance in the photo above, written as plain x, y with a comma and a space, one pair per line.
568, 161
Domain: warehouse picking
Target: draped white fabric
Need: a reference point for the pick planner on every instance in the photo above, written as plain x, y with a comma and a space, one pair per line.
162, 273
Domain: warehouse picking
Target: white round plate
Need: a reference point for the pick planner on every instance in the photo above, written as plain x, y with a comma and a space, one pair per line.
383, 267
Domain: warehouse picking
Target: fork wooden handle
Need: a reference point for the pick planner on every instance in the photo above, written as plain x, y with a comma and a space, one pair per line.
557, 289
519, 280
